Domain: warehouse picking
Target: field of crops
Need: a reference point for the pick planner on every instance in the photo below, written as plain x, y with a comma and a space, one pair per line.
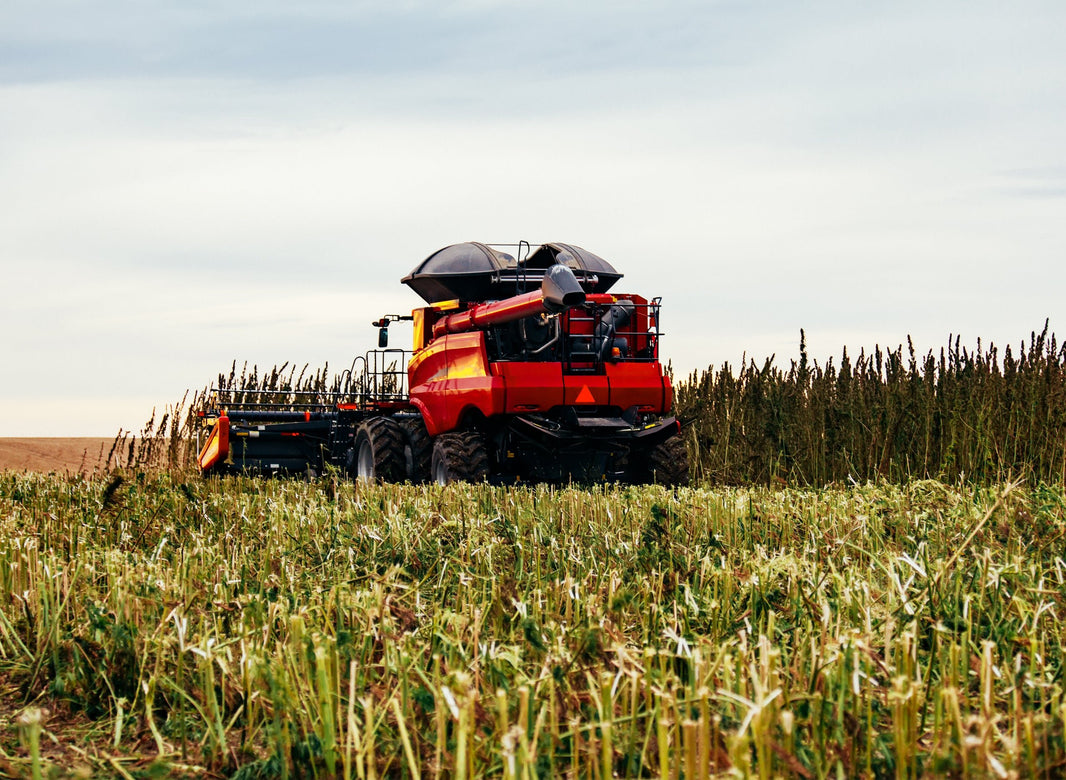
164, 626
974, 413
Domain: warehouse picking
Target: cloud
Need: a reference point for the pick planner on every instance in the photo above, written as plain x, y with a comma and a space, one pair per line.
282, 41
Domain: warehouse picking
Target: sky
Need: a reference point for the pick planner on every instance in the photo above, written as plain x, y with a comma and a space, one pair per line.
184, 184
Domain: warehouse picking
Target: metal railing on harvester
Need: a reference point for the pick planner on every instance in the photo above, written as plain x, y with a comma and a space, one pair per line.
374, 380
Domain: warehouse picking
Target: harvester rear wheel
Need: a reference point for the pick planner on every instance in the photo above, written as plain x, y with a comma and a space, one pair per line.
460, 457
667, 463
379, 451
417, 449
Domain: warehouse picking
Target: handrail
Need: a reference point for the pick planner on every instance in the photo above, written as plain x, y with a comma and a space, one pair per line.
379, 376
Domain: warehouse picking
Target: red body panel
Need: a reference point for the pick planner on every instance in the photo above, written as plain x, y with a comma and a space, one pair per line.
450, 377
644, 385
530, 387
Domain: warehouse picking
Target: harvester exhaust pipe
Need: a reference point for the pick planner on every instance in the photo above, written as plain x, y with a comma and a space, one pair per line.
559, 291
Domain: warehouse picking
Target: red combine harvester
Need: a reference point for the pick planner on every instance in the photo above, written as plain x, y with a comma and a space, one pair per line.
522, 370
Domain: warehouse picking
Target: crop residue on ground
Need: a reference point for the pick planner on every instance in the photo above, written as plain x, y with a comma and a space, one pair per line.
288, 628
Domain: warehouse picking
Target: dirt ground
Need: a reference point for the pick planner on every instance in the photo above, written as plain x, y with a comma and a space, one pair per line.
62, 455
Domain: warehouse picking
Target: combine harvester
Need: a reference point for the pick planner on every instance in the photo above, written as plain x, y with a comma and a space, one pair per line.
522, 370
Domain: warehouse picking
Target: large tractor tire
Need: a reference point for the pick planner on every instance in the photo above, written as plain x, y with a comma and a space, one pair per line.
460, 457
378, 454
417, 449
667, 463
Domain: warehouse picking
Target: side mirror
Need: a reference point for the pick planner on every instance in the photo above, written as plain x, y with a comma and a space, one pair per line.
383, 338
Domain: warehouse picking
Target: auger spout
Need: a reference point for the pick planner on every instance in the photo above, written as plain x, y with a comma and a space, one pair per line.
559, 291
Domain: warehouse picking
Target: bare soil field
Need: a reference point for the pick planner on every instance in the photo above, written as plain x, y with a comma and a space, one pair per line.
81, 454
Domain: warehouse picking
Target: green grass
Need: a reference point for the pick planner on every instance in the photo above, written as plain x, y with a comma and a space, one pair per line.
277, 628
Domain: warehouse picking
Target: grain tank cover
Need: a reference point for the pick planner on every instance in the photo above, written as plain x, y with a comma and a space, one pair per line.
595, 274
479, 272
463, 271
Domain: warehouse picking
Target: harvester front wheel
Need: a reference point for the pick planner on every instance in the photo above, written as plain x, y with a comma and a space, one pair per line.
667, 463
379, 451
460, 457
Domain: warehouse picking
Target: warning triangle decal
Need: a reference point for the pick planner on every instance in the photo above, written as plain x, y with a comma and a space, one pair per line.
585, 396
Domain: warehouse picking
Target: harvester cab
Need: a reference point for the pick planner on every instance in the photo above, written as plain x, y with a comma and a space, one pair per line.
523, 367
